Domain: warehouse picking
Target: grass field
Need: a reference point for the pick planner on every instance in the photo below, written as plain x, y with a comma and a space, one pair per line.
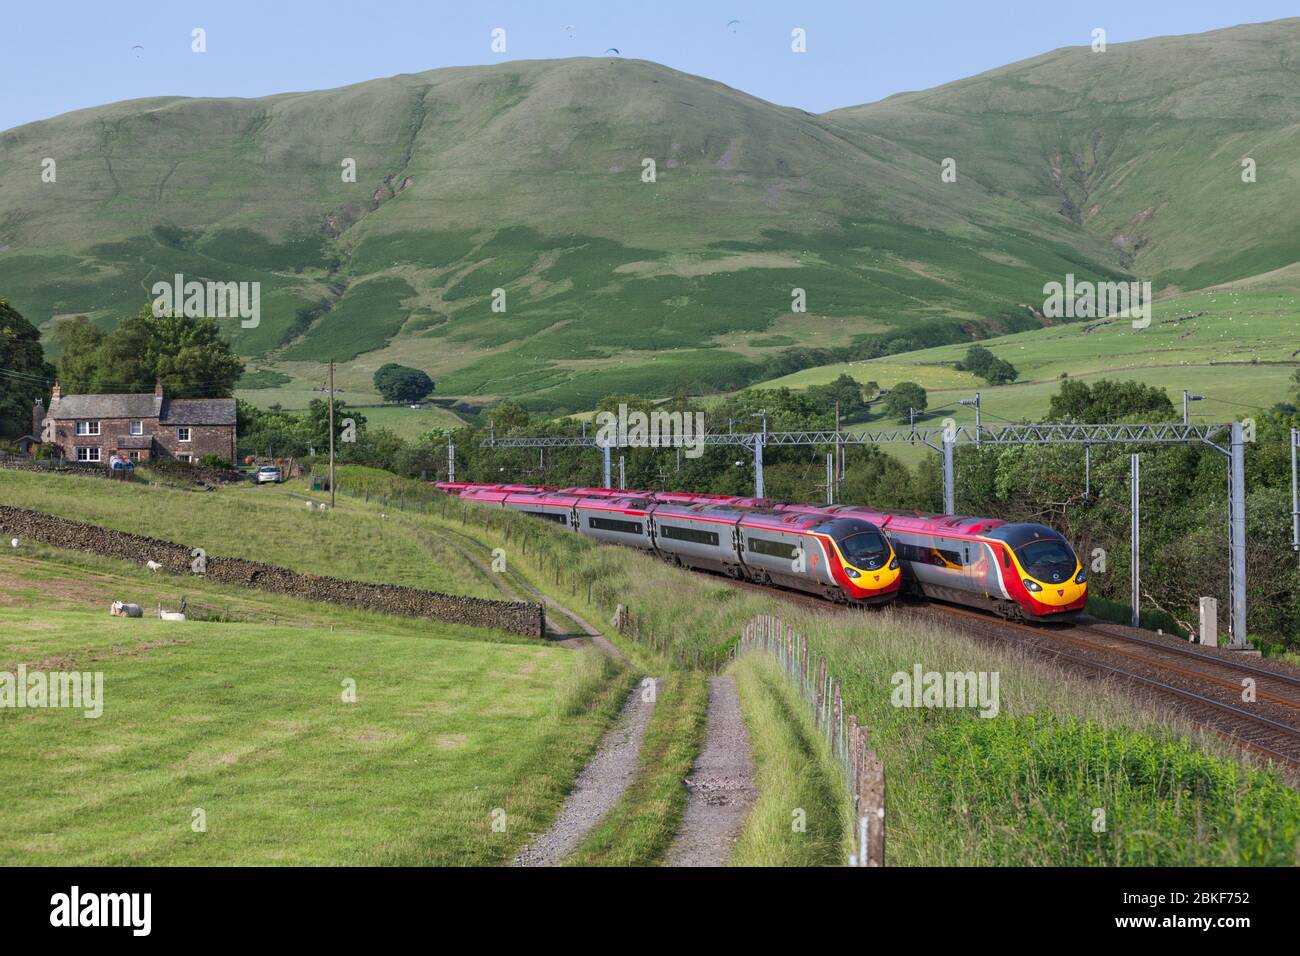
244, 719
261, 523
411, 423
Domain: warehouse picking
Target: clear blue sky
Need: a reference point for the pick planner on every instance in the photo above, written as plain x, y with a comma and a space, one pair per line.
60, 55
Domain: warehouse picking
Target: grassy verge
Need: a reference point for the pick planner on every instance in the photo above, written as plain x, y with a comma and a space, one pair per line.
803, 816
641, 827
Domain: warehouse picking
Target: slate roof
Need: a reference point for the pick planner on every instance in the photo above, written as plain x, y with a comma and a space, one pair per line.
104, 406
198, 411
168, 411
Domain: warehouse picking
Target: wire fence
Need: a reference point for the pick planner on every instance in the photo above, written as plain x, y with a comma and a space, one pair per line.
862, 772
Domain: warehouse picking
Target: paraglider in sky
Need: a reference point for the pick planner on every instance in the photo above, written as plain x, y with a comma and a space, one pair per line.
733, 25
138, 50
614, 50
569, 31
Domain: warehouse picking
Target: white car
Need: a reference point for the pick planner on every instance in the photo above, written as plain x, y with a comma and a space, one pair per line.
269, 474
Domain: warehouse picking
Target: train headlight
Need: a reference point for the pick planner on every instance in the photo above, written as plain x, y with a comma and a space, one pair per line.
893, 564
852, 572
1031, 585
1081, 576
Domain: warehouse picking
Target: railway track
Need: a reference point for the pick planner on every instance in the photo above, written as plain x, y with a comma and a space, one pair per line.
1205, 686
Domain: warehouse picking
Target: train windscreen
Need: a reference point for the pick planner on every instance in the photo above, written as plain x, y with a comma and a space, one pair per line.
1048, 560
866, 550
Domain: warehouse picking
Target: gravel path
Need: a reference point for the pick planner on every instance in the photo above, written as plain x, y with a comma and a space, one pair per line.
598, 787
721, 785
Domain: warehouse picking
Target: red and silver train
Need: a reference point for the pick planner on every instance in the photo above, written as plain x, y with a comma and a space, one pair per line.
846, 553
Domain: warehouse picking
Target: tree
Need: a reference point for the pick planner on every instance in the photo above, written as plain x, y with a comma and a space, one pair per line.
847, 391
318, 417
903, 396
188, 354
507, 415
1108, 401
1296, 378
401, 383
26, 375
988, 366
78, 341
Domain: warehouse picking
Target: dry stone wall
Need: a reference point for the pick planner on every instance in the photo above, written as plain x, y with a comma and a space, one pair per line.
516, 617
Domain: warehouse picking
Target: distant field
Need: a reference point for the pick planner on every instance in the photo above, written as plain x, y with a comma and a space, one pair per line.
1207, 343
411, 423
246, 722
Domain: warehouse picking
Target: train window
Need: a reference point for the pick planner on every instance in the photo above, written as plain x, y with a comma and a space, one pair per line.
688, 534
775, 549
1048, 560
866, 549
1006, 558
559, 517
612, 524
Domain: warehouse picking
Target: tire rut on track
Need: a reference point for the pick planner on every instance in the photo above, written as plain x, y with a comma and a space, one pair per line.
557, 631
721, 785
599, 786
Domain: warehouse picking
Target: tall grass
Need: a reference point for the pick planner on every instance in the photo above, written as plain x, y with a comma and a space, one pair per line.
803, 814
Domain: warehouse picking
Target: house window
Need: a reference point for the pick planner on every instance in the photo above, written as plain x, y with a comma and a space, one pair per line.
185, 458
137, 428
87, 428
132, 456
88, 454
182, 434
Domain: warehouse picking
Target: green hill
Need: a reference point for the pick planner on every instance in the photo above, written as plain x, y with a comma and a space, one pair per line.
527, 176
1142, 145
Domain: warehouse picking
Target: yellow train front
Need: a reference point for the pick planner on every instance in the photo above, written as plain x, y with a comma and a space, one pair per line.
1016, 569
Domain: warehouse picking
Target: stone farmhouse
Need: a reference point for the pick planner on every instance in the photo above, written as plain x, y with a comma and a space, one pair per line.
140, 427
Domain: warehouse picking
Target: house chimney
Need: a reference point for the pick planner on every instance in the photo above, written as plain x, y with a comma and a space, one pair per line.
157, 386
57, 391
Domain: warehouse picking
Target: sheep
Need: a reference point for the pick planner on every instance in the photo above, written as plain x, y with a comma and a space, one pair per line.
120, 609
14, 542
153, 565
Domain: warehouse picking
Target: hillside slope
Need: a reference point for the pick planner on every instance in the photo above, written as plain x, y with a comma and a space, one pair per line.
1141, 144
527, 177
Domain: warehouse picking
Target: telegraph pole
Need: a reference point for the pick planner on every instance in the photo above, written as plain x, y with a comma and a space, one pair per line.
1188, 398
331, 403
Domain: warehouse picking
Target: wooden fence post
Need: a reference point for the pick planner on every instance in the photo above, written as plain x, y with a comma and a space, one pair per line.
871, 805
821, 689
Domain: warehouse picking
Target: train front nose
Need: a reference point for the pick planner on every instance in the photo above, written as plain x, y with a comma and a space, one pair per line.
1059, 591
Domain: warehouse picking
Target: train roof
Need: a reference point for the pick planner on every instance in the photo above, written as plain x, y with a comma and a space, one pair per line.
922, 521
